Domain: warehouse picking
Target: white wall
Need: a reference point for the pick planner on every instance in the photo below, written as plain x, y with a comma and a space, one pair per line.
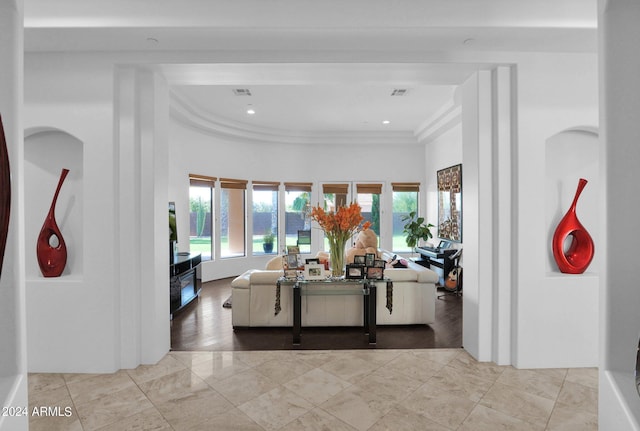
556, 316
618, 401
74, 94
13, 362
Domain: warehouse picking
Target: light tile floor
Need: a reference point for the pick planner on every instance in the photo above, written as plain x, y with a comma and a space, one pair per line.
375, 390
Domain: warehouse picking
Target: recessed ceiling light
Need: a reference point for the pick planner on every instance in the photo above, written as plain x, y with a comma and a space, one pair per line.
386, 122
250, 110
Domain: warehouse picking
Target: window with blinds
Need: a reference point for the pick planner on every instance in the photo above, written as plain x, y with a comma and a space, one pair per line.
368, 197
201, 212
265, 217
404, 201
297, 213
233, 217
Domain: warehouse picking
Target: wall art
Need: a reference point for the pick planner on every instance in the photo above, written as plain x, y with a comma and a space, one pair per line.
450, 203
5, 193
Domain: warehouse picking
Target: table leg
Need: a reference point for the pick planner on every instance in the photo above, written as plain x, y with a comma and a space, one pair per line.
372, 313
366, 310
297, 314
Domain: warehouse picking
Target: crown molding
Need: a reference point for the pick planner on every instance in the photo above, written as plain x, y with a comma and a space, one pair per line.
185, 113
441, 122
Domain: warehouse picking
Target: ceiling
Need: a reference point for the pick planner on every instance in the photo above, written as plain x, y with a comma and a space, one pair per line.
327, 66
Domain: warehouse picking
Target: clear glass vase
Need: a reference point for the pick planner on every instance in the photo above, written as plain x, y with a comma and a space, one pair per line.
336, 257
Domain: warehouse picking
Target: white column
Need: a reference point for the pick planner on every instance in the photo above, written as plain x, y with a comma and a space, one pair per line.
13, 363
477, 207
619, 37
503, 223
142, 216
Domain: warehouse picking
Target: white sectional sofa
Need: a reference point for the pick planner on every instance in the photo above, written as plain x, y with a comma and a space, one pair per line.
414, 296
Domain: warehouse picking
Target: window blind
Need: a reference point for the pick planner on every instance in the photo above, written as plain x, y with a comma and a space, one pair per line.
201, 180
229, 183
375, 189
339, 189
298, 187
405, 187
271, 186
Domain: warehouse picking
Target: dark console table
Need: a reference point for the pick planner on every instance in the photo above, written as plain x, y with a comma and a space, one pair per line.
184, 284
439, 258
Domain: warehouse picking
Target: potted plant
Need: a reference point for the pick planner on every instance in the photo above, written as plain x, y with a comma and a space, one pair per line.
415, 229
267, 241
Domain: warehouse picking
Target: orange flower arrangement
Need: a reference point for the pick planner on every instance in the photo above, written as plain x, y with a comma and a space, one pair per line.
339, 227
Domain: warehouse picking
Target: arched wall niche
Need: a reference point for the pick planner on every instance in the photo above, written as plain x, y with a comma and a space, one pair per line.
572, 154
47, 151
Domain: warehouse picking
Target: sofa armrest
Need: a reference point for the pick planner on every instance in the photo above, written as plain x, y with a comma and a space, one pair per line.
428, 276
265, 276
400, 274
414, 272
242, 281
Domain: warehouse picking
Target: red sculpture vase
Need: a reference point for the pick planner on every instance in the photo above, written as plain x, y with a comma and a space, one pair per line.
52, 258
5, 193
580, 253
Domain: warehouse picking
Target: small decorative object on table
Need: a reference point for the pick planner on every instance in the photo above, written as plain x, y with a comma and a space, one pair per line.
292, 261
290, 274
355, 271
359, 259
369, 258
580, 253
314, 271
375, 273
339, 227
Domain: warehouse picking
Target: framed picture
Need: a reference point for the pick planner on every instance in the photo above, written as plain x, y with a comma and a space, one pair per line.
355, 271
314, 271
359, 260
379, 263
292, 261
375, 273
293, 249
369, 259
312, 260
450, 203
290, 274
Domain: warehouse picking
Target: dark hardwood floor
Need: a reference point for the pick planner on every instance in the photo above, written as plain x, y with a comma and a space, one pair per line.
205, 325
